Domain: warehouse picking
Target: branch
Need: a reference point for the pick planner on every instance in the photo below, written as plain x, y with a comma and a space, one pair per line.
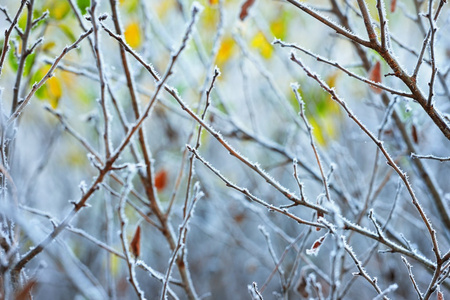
47, 76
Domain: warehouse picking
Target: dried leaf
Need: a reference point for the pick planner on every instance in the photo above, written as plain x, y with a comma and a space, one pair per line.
414, 134
161, 179
239, 218
136, 242
319, 215
245, 8
25, 292
375, 76
393, 5
440, 295
314, 250
302, 285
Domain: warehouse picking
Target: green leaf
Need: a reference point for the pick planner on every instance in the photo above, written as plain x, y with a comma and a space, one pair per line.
29, 63
83, 5
23, 20
41, 93
13, 60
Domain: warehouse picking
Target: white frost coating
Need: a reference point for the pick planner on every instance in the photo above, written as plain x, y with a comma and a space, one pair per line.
83, 186
132, 168
327, 18
389, 289
313, 251
197, 6
295, 85
336, 213
217, 69
92, 159
408, 108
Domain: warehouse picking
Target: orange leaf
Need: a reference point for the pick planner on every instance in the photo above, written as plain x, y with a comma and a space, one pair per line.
161, 179
375, 76
133, 35
226, 51
245, 8
440, 296
393, 5
314, 250
136, 242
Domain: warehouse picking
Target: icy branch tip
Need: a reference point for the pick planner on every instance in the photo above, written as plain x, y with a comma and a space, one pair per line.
217, 70
295, 85
103, 17
197, 7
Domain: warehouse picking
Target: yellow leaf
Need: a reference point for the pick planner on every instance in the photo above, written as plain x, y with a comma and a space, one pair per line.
59, 9
54, 91
209, 18
260, 42
226, 50
115, 265
317, 132
331, 105
324, 129
48, 46
278, 28
133, 35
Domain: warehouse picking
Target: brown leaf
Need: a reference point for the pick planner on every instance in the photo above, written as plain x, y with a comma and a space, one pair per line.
302, 286
393, 5
245, 8
440, 295
414, 134
161, 179
136, 242
319, 215
239, 217
375, 76
314, 250
25, 292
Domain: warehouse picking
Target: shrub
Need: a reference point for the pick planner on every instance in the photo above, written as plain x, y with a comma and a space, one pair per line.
175, 149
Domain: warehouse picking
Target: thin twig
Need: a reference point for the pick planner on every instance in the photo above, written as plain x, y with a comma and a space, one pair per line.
9, 31
47, 76
345, 70
379, 144
441, 159
311, 139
